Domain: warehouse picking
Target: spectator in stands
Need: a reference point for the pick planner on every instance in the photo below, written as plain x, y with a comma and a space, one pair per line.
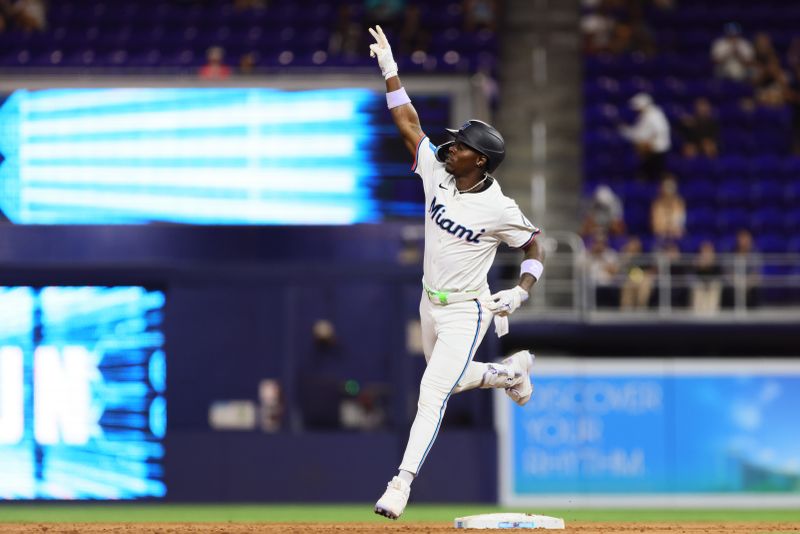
5, 15
771, 84
793, 99
603, 266
793, 53
631, 33
485, 94
603, 214
670, 252
597, 28
650, 135
345, 40
744, 274
637, 276
732, 54
30, 15
413, 36
707, 284
668, 212
247, 5
701, 129
385, 13
247, 63
763, 51
215, 68
480, 15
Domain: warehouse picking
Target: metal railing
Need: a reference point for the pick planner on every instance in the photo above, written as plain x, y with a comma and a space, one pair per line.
656, 286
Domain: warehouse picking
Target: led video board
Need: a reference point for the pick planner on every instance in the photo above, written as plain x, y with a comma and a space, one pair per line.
82, 385
236, 156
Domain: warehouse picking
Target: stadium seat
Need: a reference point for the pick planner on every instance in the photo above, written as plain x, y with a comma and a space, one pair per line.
728, 221
733, 193
771, 243
767, 221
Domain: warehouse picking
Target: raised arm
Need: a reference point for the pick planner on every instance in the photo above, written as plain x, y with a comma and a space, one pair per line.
403, 113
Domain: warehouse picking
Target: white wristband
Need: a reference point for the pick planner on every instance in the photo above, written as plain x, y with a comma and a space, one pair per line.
397, 98
532, 267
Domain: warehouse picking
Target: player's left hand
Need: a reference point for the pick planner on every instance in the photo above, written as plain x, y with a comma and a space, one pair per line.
381, 50
507, 301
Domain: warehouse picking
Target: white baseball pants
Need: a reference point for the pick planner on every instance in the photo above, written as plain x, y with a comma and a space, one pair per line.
450, 337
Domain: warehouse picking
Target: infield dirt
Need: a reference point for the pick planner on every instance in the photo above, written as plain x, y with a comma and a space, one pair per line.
369, 528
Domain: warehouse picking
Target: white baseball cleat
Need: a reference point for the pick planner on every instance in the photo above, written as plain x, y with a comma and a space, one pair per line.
522, 364
394, 499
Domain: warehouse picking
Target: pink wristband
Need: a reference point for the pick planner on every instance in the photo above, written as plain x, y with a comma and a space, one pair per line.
397, 98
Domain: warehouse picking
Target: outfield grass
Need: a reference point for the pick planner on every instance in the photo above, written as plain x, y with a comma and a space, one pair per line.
113, 513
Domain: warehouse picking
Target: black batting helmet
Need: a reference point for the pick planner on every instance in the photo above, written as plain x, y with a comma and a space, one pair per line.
481, 137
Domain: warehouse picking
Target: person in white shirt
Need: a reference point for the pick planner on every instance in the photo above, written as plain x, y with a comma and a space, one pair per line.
650, 134
467, 218
732, 54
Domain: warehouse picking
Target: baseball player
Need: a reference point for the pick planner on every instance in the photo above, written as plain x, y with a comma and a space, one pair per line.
467, 218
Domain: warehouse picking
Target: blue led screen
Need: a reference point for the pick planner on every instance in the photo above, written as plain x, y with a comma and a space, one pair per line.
82, 385
206, 156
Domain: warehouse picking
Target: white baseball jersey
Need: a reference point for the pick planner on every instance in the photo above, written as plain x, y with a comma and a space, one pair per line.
463, 231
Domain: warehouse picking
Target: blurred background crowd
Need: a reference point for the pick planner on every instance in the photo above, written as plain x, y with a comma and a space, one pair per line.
656, 143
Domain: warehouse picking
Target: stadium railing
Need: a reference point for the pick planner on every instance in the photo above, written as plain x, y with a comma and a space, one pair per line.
756, 287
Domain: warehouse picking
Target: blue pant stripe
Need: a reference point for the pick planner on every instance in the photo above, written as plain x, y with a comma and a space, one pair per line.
441, 410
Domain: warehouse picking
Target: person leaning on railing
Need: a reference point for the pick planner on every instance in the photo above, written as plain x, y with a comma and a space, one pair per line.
707, 283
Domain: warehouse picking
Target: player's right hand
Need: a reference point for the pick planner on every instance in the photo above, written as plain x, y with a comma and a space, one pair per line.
380, 49
506, 302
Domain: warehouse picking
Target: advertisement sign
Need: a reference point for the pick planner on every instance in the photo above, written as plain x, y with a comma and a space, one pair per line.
654, 432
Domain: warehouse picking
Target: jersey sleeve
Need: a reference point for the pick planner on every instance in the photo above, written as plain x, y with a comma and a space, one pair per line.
425, 162
515, 229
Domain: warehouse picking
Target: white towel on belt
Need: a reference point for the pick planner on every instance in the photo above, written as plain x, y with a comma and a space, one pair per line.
501, 325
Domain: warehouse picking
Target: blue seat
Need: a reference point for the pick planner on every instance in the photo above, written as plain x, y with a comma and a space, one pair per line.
791, 168
725, 243
767, 192
691, 242
699, 192
791, 221
766, 166
701, 221
767, 221
728, 221
771, 243
637, 218
793, 246
639, 192
733, 193
699, 168
791, 193
731, 165
738, 141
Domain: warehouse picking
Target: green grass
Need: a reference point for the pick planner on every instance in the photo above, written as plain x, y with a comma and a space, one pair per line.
113, 513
